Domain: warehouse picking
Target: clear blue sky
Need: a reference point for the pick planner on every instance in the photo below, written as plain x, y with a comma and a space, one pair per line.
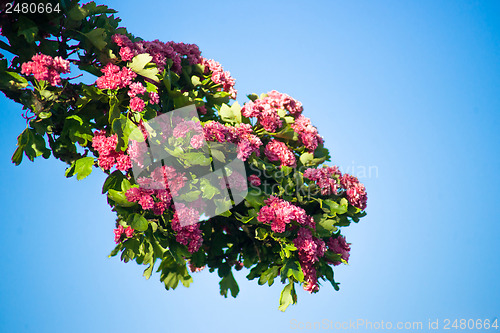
409, 88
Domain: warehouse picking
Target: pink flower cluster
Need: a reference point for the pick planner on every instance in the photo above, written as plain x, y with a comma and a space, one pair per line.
254, 180
164, 183
308, 134
354, 190
183, 127
115, 77
108, 156
278, 213
219, 76
240, 135
332, 182
325, 178
310, 249
190, 234
236, 182
278, 151
122, 233
340, 246
266, 109
46, 68
160, 52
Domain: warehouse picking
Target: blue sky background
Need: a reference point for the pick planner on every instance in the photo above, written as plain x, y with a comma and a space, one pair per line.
409, 88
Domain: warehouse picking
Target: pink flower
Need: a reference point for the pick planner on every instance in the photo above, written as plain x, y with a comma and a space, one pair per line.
61, 65
202, 109
46, 68
197, 141
135, 89
354, 190
114, 77
123, 162
121, 40
235, 182
308, 134
121, 233
310, 249
160, 52
340, 246
247, 143
129, 232
310, 278
219, 76
254, 180
266, 109
326, 178
108, 156
126, 53
137, 104
278, 151
154, 98
279, 213
190, 234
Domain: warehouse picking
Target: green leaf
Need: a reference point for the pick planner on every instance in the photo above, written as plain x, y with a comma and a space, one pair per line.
113, 181
115, 251
208, 189
231, 114
329, 275
253, 97
190, 196
83, 167
261, 233
195, 80
269, 275
97, 37
77, 13
255, 198
331, 206
218, 155
27, 28
139, 65
306, 158
114, 109
197, 158
17, 157
119, 198
288, 296
228, 282
139, 222
292, 268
